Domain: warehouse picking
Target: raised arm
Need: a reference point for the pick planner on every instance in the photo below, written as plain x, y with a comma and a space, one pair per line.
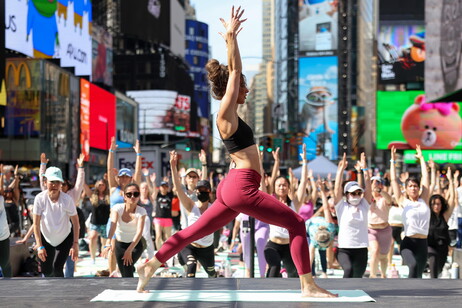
452, 199
184, 199
275, 170
203, 159
301, 191
137, 175
15, 185
367, 179
396, 189
314, 188
110, 165
228, 106
76, 191
432, 166
43, 168
425, 182
263, 186
325, 203
342, 165
359, 172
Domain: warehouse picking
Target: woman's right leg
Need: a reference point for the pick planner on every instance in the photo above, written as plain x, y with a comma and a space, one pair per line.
158, 229
261, 238
187, 254
273, 259
344, 259
93, 236
407, 253
5, 257
433, 262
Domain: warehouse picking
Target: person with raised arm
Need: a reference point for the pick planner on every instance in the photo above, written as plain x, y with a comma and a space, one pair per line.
352, 204
239, 191
4, 233
416, 215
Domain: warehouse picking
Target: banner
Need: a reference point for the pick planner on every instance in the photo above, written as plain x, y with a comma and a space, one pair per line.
102, 117
85, 118
440, 157
102, 64
318, 106
51, 29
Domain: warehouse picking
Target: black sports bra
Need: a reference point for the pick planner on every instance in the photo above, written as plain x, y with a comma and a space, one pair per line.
241, 139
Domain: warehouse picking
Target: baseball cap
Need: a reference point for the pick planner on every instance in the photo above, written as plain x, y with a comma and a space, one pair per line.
322, 237
205, 184
163, 183
54, 174
126, 172
192, 170
377, 178
351, 187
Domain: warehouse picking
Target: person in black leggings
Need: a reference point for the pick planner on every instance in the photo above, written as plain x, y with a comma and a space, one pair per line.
4, 236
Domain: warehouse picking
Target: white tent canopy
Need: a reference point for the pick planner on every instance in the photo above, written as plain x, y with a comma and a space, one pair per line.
321, 166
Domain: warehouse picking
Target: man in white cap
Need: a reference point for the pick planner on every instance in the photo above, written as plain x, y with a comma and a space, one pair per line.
55, 236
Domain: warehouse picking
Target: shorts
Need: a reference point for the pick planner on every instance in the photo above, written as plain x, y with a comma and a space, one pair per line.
101, 229
163, 222
383, 237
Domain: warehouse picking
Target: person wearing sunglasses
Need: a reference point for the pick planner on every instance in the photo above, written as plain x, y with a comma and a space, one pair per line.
127, 223
352, 207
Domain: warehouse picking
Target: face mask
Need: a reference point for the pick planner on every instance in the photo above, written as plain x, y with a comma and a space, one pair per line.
354, 200
203, 196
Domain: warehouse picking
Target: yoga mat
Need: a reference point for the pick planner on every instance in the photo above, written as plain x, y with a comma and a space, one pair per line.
345, 296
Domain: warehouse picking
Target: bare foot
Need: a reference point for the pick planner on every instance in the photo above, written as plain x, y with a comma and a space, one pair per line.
143, 279
313, 290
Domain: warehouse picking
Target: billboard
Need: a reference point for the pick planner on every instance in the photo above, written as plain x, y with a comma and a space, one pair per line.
85, 118
405, 119
163, 112
24, 96
401, 52
102, 65
127, 121
152, 22
443, 70
102, 117
438, 156
318, 105
177, 28
197, 55
317, 27
51, 29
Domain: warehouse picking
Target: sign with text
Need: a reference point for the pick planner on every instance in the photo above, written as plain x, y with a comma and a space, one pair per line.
51, 29
454, 157
85, 118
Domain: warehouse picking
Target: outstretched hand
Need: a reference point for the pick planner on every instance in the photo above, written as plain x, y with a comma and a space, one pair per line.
234, 24
173, 159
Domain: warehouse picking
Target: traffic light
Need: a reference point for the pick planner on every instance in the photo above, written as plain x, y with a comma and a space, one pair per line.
187, 148
269, 144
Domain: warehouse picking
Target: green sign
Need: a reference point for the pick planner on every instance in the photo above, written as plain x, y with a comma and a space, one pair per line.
277, 143
442, 156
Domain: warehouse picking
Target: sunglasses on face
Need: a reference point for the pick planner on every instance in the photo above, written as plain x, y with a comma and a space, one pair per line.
356, 193
135, 194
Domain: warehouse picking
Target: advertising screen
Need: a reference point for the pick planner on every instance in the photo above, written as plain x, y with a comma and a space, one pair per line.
443, 70
126, 126
318, 106
197, 55
438, 156
102, 67
405, 119
317, 27
102, 117
162, 112
152, 22
51, 29
401, 52
24, 88
85, 118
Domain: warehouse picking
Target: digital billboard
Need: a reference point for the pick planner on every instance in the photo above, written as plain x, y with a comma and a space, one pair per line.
51, 29
102, 64
438, 156
127, 121
443, 70
85, 118
102, 117
317, 27
163, 112
197, 55
401, 52
405, 119
318, 105
147, 20
24, 96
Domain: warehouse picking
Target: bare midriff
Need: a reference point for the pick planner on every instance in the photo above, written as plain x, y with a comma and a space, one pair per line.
279, 240
379, 226
247, 158
418, 235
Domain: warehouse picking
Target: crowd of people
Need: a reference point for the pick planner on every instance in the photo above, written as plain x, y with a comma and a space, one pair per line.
352, 221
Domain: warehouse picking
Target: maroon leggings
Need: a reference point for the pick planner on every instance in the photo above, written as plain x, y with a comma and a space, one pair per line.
239, 193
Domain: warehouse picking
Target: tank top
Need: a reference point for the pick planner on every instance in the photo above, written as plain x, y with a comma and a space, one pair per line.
353, 224
276, 231
192, 218
395, 215
164, 205
438, 233
378, 212
100, 214
116, 197
306, 210
416, 217
241, 139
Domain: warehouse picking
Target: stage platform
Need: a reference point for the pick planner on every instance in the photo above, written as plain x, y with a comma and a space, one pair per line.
77, 292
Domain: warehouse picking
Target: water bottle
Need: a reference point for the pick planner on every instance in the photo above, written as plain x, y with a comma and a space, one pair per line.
393, 271
455, 271
227, 266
